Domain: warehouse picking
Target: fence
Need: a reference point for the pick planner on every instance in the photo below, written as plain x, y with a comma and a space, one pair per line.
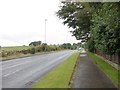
113, 58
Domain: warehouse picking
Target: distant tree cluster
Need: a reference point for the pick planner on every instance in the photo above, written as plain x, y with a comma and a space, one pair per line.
73, 46
37, 47
32, 50
35, 43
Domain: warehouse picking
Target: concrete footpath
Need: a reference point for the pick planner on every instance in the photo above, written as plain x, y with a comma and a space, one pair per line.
88, 75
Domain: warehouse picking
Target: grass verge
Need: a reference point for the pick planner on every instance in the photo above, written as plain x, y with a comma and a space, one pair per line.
60, 76
111, 72
23, 55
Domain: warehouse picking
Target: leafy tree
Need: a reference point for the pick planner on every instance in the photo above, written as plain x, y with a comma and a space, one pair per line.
35, 43
74, 46
66, 46
96, 23
105, 28
76, 16
90, 45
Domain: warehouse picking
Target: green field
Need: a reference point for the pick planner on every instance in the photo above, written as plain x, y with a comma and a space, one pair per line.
15, 48
111, 72
60, 76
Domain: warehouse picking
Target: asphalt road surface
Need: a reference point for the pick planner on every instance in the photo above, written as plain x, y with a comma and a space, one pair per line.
23, 72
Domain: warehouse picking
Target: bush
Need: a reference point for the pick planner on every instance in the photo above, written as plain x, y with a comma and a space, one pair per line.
39, 49
90, 45
4, 54
25, 51
32, 51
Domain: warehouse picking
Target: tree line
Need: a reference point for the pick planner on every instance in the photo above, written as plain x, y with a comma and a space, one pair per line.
38, 46
97, 24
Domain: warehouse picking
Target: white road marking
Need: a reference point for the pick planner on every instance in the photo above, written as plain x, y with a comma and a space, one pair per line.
25, 63
29, 62
17, 59
62, 56
11, 73
16, 65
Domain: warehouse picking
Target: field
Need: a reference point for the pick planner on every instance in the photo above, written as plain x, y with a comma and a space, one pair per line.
60, 76
15, 48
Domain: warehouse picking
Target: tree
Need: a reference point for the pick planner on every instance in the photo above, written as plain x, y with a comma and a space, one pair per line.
98, 24
76, 16
74, 46
66, 46
35, 43
90, 45
105, 28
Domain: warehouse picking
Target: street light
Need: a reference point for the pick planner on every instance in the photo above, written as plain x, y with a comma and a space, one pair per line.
45, 34
45, 30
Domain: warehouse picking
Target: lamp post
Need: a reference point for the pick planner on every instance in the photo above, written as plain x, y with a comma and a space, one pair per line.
45, 30
45, 34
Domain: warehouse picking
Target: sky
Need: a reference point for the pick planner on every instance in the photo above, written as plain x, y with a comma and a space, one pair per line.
23, 21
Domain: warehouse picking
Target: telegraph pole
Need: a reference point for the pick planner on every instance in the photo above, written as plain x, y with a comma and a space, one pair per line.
45, 30
45, 34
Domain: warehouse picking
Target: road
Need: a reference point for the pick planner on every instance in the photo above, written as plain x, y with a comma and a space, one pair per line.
23, 72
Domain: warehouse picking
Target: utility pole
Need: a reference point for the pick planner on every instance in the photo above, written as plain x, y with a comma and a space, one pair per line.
45, 34
45, 30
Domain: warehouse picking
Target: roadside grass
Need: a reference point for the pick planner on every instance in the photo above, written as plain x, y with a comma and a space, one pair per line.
19, 55
24, 55
15, 56
60, 76
110, 71
15, 48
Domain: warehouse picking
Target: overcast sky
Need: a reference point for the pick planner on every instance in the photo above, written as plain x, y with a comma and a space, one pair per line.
23, 21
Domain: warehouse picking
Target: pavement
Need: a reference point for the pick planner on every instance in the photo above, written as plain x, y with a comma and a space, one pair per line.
23, 72
88, 75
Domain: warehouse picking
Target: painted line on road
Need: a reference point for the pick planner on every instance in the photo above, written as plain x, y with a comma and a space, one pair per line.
17, 65
16, 59
6, 75
62, 56
11, 73
25, 63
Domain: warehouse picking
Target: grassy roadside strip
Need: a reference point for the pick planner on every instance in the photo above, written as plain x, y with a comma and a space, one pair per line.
60, 76
111, 72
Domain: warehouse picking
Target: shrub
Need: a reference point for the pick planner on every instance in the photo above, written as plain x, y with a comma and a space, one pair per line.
90, 45
39, 49
32, 51
25, 51
4, 54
